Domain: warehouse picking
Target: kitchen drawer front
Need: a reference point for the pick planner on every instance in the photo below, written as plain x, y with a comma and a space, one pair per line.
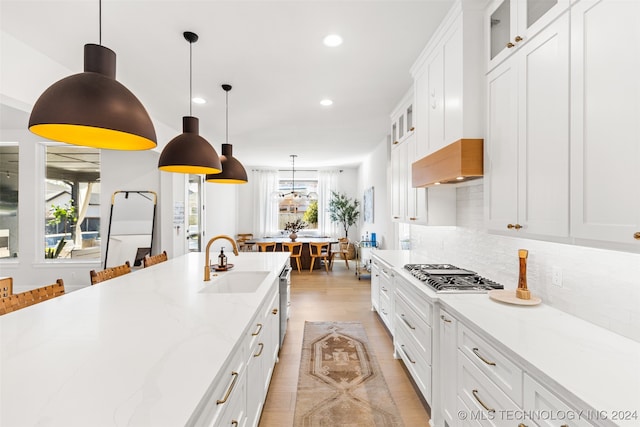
504, 373
236, 413
414, 326
226, 387
386, 313
464, 417
489, 405
417, 301
418, 367
538, 399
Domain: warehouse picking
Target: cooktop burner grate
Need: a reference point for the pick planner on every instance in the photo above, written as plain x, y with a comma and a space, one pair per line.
449, 278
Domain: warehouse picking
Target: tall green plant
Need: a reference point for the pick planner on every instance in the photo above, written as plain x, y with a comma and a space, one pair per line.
343, 210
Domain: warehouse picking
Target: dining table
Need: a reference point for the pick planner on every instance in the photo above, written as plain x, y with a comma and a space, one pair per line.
305, 255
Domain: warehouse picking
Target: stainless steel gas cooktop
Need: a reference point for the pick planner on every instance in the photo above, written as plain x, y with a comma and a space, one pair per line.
449, 278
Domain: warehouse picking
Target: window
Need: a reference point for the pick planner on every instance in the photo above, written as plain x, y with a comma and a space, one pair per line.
298, 202
8, 200
72, 202
195, 209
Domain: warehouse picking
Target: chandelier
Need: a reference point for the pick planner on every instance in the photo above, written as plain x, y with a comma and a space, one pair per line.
294, 197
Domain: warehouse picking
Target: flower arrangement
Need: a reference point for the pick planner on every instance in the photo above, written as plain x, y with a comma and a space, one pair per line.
295, 226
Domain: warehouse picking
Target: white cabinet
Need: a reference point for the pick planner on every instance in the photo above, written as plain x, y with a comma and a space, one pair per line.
510, 24
447, 372
375, 283
605, 135
527, 145
399, 155
387, 298
413, 334
402, 119
448, 82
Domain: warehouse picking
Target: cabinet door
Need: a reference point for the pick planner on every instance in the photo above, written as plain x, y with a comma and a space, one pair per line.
416, 197
435, 70
448, 367
453, 85
605, 130
543, 132
375, 284
398, 182
421, 109
501, 148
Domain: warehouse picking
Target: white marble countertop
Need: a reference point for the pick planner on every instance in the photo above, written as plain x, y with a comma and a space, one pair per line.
601, 369
137, 350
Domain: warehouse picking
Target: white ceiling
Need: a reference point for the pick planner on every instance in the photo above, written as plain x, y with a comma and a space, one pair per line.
270, 51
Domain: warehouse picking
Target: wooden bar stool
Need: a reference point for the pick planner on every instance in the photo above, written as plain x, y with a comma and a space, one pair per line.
296, 251
6, 287
109, 273
266, 246
150, 260
319, 250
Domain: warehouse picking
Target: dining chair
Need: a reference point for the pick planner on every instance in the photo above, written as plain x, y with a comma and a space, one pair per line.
343, 251
6, 286
33, 296
109, 273
266, 246
319, 250
296, 251
242, 240
150, 260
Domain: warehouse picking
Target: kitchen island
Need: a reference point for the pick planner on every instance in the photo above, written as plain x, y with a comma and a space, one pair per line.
142, 349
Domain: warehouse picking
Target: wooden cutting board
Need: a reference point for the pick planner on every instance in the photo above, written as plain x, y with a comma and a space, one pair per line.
509, 296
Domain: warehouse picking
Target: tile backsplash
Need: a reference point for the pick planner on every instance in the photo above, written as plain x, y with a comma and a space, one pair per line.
600, 286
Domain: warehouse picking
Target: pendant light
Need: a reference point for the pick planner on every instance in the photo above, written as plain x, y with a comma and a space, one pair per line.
189, 152
92, 108
294, 197
232, 170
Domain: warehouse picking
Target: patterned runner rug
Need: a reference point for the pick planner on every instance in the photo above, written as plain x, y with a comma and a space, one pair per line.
340, 382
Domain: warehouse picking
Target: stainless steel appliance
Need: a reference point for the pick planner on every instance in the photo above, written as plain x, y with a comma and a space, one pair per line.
451, 279
285, 300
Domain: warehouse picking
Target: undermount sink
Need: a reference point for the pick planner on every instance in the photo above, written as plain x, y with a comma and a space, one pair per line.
235, 282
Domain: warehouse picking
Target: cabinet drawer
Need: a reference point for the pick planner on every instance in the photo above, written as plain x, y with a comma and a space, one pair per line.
538, 399
386, 313
489, 405
418, 367
414, 326
504, 373
415, 299
225, 388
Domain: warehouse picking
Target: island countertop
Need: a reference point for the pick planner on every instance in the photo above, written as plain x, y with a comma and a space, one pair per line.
137, 350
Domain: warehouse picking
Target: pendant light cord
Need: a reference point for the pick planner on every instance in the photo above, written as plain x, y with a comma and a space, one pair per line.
226, 138
190, 76
100, 22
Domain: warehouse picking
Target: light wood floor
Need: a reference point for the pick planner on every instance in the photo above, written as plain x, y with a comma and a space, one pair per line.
336, 296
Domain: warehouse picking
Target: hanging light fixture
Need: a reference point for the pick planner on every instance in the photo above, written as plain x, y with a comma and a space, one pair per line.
294, 197
232, 170
189, 152
92, 108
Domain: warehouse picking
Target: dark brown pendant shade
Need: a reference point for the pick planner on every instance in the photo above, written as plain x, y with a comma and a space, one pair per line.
93, 109
189, 152
232, 170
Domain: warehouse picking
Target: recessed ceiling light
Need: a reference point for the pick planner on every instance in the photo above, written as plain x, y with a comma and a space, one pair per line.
437, 183
198, 100
332, 40
326, 102
460, 178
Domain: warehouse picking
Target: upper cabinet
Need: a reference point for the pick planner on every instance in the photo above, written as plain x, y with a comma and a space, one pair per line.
509, 24
402, 120
605, 134
448, 82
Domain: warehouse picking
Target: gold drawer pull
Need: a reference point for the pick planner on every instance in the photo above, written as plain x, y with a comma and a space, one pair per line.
274, 311
258, 331
510, 45
260, 352
395, 142
234, 423
408, 324
524, 425
475, 351
444, 318
516, 226
636, 235
518, 39
229, 390
412, 128
412, 219
475, 394
407, 354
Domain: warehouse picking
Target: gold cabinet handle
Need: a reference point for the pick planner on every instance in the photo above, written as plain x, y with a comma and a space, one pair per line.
512, 226
636, 235
408, 324
395, 142
257, 331
260, 352
412, 219
475, 395
407, 354
477, 353
522, 425
274, 311
229, 390
510, 45
518, 39
412, 128
234, 423
444, 318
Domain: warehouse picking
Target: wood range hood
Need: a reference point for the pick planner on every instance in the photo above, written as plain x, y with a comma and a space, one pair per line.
457, 162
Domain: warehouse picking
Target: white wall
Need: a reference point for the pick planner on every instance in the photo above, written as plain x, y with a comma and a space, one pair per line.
373, 173
600, 286
220, 214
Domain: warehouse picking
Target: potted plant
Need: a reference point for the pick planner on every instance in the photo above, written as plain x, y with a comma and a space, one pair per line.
293, 227
343, 210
